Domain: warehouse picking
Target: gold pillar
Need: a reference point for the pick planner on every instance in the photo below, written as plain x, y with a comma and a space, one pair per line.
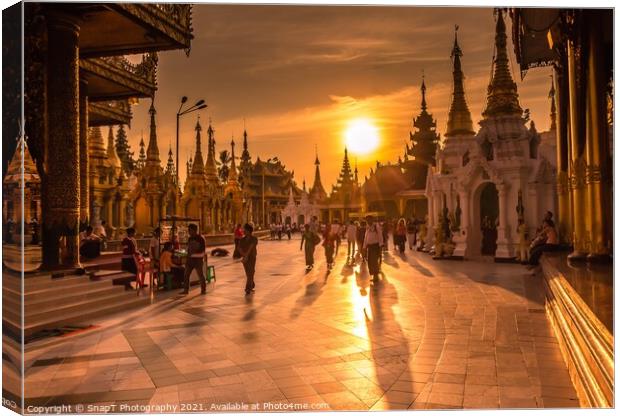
597, 157
577, 158
564, 214
61, 175
84, 172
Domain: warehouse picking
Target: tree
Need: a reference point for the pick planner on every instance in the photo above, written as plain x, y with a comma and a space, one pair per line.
124, 151
224, 170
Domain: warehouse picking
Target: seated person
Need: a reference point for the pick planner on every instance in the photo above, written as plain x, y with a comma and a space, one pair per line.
130, 249
550, 242
90, 244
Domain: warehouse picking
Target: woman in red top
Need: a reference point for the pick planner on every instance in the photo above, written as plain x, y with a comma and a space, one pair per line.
329, 243
130, 248
238, 234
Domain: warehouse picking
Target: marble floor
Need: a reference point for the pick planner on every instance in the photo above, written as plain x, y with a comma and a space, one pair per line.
429, 335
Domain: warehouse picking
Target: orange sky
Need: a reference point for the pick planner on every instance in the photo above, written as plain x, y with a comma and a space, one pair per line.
298, 74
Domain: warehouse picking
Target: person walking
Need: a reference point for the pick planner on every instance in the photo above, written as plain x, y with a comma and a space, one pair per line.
196, 254
287, 229
336, 232
373, 241
247, 248
400, 235
309, 240
329, 244
361, 233
351, 237
384, 235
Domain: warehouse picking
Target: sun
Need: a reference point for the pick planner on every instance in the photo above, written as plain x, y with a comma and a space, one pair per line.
361, 136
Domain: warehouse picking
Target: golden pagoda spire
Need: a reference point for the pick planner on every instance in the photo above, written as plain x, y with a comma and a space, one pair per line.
232, 175
459, 117
113, 158
210, 167
502, 96
198, 165
152, 151
317, 190
553, 112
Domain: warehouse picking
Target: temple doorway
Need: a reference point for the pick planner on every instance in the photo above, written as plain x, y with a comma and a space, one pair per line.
489, 214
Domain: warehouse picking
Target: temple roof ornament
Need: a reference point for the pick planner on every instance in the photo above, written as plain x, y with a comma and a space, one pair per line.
459, 117
198, 165
502, 95
552, 114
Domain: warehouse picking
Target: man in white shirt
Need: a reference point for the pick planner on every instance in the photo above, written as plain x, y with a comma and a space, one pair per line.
373, 240
351, 233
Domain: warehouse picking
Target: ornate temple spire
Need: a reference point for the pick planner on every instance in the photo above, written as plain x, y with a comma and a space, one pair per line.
423, 89
304, 185
14, 173
113, 158
232, 175
142, 154
317, 190
245, 154
552, 114
198, 165
459, 117
210, 167
189, 167
345, 172
355, 171
424, 140
152, 151
170, 169
96, 145
502, 96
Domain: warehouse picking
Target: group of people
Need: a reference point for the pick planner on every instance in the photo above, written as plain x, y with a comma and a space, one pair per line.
277, 231
93, 240
366, 240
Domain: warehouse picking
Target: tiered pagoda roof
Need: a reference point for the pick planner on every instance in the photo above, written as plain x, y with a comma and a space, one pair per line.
459, 117
425, 140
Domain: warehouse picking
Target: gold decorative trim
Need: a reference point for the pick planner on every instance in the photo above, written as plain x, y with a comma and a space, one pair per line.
586, 344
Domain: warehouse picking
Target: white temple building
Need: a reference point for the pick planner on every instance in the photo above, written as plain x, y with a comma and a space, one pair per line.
484, 183
299, 213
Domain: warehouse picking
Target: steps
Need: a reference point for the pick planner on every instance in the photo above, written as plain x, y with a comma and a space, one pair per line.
51, 303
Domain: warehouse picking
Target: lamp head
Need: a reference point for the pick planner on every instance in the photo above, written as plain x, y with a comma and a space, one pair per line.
183, 100
199, 103
202, 106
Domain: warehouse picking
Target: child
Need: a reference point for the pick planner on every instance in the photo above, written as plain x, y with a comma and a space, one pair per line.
165, 264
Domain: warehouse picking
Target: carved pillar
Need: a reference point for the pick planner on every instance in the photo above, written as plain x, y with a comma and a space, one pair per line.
84, 168
61, 187
564, 214
504, 248
597, 158
577, 159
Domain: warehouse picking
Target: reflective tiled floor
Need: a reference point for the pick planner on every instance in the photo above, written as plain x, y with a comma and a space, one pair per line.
431, 334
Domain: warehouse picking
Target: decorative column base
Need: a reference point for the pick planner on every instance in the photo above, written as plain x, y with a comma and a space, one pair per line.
460, 240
